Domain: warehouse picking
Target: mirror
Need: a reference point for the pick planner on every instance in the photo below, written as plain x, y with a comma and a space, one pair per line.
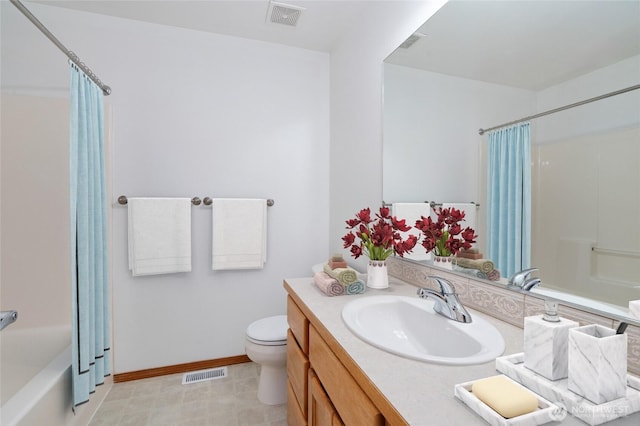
478, 64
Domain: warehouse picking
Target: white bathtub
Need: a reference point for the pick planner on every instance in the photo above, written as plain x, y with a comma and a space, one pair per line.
36, 375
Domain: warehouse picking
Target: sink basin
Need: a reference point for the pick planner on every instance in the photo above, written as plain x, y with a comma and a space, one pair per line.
409, 327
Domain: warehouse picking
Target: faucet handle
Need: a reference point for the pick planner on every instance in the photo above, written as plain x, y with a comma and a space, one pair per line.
446, 287
520, 277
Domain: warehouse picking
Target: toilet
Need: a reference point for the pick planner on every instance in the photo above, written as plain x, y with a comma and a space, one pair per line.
266, 345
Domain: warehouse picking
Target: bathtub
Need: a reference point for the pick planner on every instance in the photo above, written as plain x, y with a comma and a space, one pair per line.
35, 368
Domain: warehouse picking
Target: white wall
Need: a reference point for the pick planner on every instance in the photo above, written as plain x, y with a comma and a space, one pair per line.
356, 108
197, 114
431, 135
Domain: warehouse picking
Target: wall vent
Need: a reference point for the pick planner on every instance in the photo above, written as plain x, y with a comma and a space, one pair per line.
284, 14
204, 375
411, 40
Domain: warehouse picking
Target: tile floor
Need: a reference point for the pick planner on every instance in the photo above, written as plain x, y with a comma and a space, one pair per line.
165, 401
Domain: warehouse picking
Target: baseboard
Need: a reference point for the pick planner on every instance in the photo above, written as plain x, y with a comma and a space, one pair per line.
179, 368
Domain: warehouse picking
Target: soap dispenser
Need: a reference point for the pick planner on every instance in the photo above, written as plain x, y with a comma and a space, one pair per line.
546, 341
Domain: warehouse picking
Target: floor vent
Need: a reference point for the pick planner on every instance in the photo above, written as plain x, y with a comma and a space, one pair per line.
204, 375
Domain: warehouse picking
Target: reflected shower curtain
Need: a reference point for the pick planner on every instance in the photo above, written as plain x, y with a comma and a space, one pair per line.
88, 216
509, 198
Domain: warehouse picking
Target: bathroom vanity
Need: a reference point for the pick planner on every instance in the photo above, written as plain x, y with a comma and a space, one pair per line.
335, 378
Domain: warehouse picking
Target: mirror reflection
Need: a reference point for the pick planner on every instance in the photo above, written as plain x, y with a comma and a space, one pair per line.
479, 64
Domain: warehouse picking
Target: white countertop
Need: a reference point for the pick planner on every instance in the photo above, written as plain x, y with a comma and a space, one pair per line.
421, 392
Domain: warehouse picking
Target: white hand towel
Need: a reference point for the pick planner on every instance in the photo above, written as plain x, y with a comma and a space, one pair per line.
470, 213
159, 235
239, 239
412, 212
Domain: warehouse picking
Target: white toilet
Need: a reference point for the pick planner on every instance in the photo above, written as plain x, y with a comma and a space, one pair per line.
266, 344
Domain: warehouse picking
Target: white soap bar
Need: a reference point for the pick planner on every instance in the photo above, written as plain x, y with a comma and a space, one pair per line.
504, 396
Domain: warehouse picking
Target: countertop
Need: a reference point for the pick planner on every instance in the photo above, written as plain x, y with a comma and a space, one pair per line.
421, 392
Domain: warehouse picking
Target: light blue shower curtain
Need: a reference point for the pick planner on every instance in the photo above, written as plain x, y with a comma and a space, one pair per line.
509, 198
91, 361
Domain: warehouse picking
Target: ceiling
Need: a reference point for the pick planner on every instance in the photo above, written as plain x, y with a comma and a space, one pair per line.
320, 26
527, 44
531, 44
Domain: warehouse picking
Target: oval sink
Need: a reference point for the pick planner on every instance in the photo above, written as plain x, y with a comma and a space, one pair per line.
409, 327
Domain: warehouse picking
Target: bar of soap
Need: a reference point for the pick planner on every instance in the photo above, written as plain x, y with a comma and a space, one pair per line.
504, 396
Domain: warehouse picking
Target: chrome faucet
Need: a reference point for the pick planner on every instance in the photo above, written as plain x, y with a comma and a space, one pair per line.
446, 300
530, 283
521, 279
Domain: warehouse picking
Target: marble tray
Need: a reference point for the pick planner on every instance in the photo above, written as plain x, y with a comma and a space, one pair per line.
546, 412
557, 391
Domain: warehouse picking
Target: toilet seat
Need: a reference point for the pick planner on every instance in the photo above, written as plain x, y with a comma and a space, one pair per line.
270, 331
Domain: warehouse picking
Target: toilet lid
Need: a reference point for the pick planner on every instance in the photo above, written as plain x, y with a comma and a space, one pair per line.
271, 329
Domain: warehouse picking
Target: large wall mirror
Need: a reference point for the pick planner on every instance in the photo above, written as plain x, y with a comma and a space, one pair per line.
478, 64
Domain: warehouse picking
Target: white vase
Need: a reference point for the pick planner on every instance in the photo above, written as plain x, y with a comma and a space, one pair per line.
377, 276
445, 262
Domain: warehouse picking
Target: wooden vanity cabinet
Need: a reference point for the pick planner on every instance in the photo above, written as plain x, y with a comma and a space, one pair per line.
321, 411
322, 392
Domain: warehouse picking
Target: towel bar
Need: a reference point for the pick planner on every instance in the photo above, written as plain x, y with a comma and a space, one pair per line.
122, 200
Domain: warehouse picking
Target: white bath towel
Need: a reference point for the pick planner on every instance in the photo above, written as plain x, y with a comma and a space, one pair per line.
239, 239
159, 235
412, 212
470, 213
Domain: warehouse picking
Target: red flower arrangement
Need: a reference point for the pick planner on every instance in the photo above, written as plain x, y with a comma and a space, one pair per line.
378, 237
446, 237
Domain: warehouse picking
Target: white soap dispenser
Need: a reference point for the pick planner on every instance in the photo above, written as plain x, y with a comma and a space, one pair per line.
546, 341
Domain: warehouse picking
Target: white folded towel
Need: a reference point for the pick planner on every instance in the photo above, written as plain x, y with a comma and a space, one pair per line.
159, 235
239, 239
412, 212
470, 213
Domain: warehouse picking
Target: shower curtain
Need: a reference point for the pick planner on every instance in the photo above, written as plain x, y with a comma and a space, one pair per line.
509, 198
88, 218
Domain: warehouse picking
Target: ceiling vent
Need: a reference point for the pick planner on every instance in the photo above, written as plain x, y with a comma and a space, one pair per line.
411, 40
284, 14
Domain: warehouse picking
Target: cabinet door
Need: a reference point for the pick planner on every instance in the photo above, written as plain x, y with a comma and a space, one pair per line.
295, 417
353, 406
297, 371
321, 411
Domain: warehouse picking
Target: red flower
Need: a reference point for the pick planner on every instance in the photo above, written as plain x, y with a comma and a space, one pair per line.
378, 237
445, 236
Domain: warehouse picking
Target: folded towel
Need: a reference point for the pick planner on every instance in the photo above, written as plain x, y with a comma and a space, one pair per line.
356, 287
329, 286
493, 275
472, 272
484, 265
335, 264
239, 239
411, 212
468, 255
470, 212
346, 276
159, 235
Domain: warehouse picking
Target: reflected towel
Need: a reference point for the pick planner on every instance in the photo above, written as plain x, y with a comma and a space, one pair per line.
412, 212
239, 239
326, 284
473, 272
159, 235
493, 275
470, 211
346, 276
357, 287
484, 265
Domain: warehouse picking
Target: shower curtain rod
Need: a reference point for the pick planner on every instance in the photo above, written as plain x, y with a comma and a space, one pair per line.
553, 111
72, 56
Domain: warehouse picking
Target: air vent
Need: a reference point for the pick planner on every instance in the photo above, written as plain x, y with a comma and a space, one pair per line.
204, 375
285, 14
411, 40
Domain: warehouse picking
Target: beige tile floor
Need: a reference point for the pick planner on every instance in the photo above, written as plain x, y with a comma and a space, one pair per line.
165, 401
